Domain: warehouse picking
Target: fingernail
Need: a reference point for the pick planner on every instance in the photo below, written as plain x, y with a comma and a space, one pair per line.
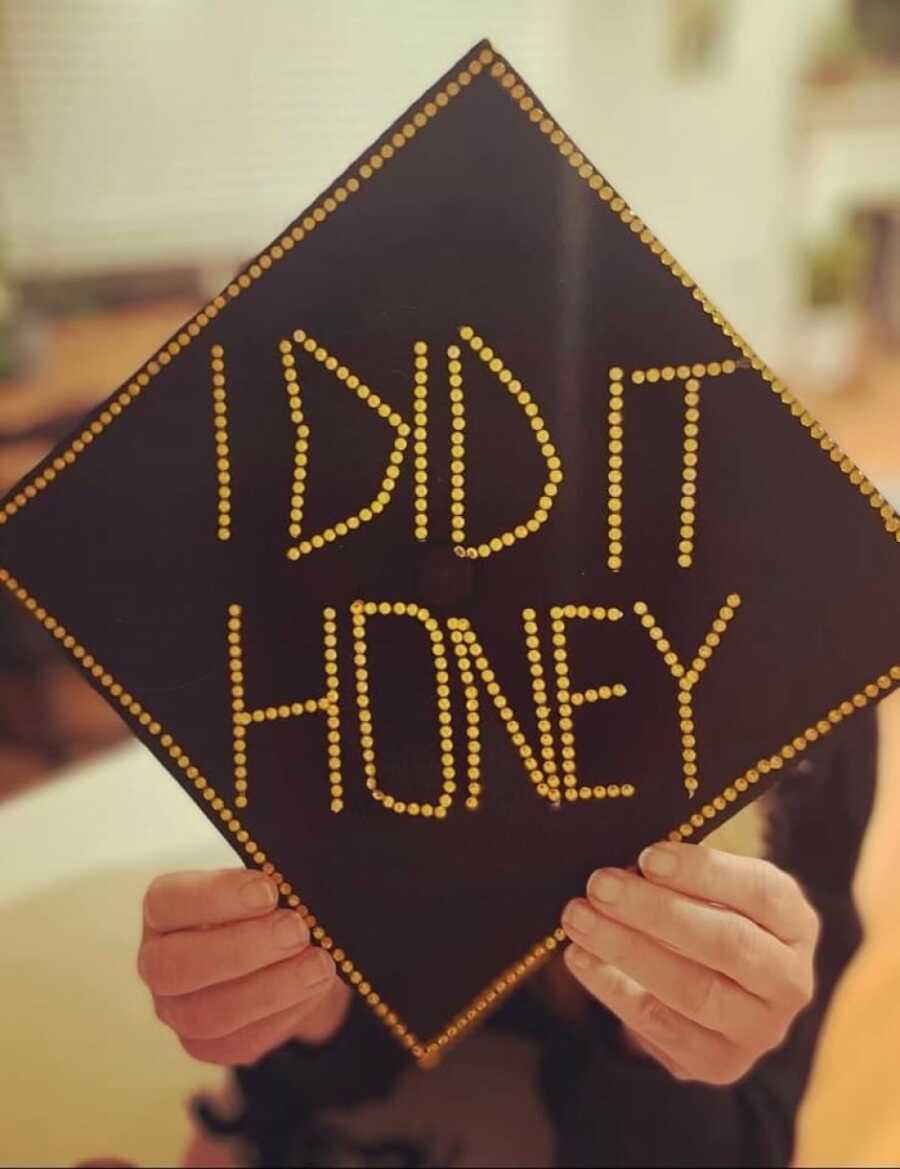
658, 861
604, 887
580, 918
578, 958
291, 931
258, 893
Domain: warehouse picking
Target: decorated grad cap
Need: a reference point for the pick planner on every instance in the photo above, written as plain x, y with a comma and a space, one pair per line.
459, 546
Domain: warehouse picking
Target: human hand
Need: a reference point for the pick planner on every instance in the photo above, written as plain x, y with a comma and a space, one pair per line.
232, 975
706, 962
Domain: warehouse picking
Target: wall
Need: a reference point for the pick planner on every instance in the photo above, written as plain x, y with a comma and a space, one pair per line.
167, 132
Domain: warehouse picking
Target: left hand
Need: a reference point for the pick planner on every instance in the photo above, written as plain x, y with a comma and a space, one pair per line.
706, 962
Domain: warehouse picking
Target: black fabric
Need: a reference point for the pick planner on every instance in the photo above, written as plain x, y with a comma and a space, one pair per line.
610, 1108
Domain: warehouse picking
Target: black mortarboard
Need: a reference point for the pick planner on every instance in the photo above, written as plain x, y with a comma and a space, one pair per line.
459, 546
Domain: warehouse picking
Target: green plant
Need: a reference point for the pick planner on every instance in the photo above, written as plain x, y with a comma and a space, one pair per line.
835, 267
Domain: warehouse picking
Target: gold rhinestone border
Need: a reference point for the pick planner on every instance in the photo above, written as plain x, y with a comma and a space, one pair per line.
427, 1053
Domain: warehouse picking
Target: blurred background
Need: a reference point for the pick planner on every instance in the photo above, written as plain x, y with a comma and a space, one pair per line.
147, 147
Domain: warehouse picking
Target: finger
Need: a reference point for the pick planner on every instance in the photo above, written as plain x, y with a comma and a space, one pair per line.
249, 1044
700, 1054
710, 935
320, 1023
703, 995
188, 960
219, 1010
180, 901
753, 887
105, 1163
645, 1047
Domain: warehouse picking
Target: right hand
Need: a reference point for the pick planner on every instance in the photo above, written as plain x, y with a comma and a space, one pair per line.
233, 976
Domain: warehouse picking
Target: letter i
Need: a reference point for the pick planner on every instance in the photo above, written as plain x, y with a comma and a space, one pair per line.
420, 441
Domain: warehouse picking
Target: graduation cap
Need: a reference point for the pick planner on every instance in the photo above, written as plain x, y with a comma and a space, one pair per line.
459, 546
